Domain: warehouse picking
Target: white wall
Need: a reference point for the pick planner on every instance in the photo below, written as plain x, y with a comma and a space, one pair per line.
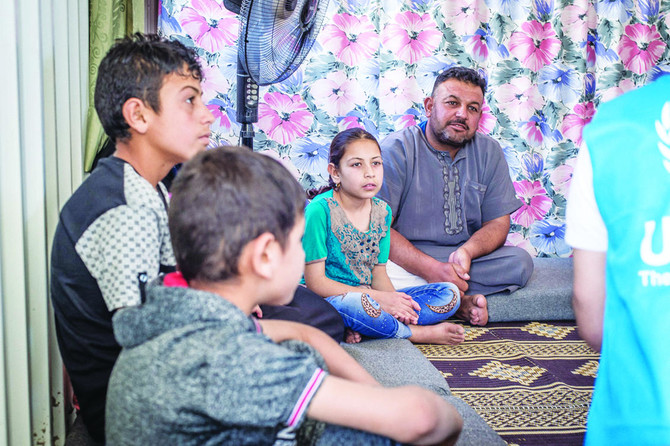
44, 54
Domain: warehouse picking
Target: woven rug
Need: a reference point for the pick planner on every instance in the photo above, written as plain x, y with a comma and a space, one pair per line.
530, 381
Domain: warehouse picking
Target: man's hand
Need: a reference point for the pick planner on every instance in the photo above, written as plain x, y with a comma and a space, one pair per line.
448, 272
462, 258
407, 256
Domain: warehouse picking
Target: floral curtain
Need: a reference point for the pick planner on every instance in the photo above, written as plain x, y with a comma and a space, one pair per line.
549, 63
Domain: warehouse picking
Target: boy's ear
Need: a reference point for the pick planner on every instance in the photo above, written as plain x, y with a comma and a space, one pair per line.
333, 172
265, 255
135, 113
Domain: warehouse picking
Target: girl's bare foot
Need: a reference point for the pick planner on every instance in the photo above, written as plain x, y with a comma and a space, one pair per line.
473, 309
442, 333
352, 337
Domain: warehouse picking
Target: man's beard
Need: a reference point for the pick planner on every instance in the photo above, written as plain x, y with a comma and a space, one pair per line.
444, 138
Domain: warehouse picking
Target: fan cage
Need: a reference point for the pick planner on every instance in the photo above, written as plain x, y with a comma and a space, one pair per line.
276, 36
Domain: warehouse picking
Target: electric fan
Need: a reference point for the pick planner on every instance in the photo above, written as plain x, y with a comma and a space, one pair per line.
275, 37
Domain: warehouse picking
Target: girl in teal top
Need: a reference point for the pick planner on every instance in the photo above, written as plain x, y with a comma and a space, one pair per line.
347, 241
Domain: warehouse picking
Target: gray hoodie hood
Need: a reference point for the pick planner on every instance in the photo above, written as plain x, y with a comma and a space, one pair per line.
170, 308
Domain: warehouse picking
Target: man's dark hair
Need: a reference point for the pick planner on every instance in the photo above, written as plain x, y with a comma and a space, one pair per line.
224, 198
135, 67
462, 74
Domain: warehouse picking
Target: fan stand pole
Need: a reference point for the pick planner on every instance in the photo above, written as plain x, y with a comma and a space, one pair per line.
247, 105
247, 135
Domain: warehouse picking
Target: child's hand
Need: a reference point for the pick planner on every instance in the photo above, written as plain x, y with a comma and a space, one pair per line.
257, 311
399, 305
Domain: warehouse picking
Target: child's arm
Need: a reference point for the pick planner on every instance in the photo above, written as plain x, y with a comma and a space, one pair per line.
407, 414
380, 279
399, 305
317, 281
351, 397
339, 362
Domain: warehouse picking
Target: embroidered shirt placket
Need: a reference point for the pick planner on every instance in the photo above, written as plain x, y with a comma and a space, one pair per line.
453, 223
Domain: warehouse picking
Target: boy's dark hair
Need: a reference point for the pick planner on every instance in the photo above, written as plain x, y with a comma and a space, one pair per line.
462, 74
224, 198
337, 147
134, 67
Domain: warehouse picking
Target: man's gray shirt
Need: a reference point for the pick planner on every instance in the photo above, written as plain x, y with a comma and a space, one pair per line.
438, 202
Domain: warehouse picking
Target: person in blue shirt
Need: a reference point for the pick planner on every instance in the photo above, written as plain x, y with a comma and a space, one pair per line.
618, 221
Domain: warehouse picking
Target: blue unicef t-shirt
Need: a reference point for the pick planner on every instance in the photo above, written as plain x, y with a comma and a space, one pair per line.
629, 142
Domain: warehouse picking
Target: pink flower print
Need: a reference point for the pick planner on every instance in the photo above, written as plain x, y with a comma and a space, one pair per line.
356, 119
482, 45
476, 47
561, 177
624, 86
398, 93
464, 16
519, 99
218, 109
574, 123
532, 132
412, 36
211, 25
284, 118
405, 121
535, 45
350, 122
213, 82
337, 94
640, 47
576, 20
352, 39
487, 121
517, 239
535, 202
590, 48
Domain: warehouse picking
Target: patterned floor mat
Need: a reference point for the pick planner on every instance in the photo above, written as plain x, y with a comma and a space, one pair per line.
530, 381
